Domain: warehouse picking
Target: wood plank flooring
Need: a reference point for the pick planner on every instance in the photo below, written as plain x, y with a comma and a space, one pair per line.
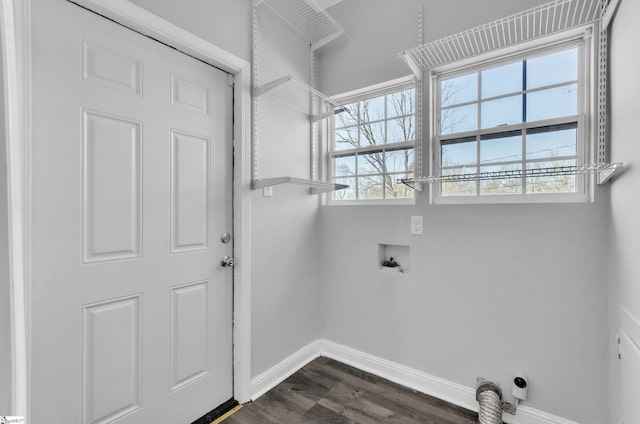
329, 392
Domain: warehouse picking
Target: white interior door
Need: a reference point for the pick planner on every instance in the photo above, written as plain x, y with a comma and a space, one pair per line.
131, 188
629, 378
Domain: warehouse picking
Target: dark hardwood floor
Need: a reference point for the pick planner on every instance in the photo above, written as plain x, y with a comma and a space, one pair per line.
329, 392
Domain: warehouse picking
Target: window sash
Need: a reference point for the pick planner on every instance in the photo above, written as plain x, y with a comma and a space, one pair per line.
382, 148
578, 121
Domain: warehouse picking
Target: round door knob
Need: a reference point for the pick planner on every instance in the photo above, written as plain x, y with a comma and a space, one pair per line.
227, 261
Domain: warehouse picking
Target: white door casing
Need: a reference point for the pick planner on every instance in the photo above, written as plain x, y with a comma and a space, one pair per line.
131, 186
16, 29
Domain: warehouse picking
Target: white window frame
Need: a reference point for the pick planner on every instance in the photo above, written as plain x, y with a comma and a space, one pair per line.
581, 38
396, 85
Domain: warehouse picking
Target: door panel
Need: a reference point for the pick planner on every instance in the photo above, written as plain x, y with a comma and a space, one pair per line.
629, 378
112, 187
131, 171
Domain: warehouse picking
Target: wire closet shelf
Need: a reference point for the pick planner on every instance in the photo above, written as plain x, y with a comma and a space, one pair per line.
313, 24
544, 20
531, 24
605, 170
307, 19
316, 187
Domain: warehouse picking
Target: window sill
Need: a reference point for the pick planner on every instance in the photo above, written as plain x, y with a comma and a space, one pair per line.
377, 202
511, 199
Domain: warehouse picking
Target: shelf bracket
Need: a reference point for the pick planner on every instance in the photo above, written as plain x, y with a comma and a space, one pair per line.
319, 190
320, 116
326, 40
265, 88
609, 12
412, 65
268, 182
606, 174
412, 184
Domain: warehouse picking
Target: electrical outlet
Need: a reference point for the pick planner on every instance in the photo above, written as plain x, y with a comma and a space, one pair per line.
416, 225
267, 191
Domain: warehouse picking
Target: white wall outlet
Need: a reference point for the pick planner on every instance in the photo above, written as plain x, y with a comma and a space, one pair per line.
416, 225
267, 191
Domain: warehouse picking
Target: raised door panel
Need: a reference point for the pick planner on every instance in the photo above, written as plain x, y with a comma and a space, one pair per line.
190, 188
112, 192
189, 333
111, 360
111, 69
189, 95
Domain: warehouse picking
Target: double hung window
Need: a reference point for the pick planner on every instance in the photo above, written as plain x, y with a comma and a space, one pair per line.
512, 129
372, 147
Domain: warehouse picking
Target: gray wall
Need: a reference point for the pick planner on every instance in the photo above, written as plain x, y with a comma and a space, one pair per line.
625, 197
226, 23
285, 308
5, 292
493, 289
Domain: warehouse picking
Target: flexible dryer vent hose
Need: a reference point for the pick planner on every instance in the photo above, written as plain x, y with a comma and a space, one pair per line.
489, 396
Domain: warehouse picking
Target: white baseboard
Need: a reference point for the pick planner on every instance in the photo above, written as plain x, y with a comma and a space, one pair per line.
440, 388
409, 377
285, 368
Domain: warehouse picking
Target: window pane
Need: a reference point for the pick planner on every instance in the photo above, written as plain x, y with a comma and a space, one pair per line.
344, 166
399, 160
502, 185
503, 149
400, 130
459, 90
553, 68
502, 112
370, 187
459, 119
459, 153
372, 134
502, 80
372, 109
552, 184
394, 189
370, 163
552, 103
552, 144
348, 193
346, 138
402, 103
458, 188
348, 117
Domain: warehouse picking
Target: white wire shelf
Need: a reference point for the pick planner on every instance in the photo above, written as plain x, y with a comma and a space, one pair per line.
605, 172
307, 19
540, 21
316, 187
297, 96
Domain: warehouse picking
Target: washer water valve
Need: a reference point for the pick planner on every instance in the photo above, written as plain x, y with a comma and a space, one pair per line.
519, 389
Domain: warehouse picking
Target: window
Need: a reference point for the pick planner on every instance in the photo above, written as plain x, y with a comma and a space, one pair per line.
373, 145
512, 130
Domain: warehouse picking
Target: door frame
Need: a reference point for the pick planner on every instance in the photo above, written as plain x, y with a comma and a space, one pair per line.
16, 72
